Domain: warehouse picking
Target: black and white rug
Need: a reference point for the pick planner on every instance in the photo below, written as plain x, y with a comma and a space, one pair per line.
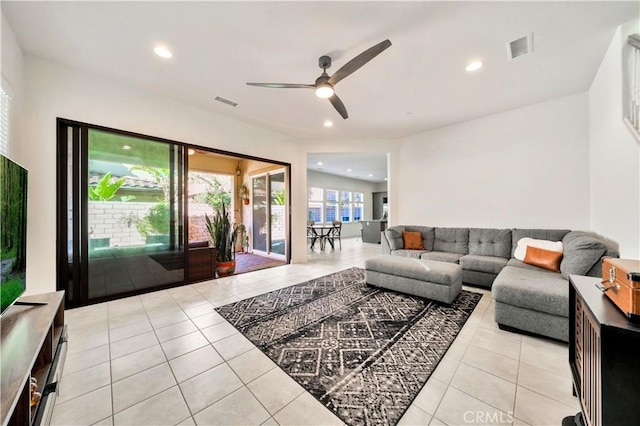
363, 352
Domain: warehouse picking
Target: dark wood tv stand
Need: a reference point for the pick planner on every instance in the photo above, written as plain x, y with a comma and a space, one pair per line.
34, 344
603, 355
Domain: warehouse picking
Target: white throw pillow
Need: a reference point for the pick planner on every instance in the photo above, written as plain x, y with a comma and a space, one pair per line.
521, 248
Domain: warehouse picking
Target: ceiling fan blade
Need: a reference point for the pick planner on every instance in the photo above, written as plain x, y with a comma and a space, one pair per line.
357, 62
283, 85
339, 106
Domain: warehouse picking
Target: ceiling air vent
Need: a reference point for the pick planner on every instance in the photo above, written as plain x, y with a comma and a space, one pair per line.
226, 101
519, 47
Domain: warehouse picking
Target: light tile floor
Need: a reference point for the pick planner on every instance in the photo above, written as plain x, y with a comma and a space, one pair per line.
167, 358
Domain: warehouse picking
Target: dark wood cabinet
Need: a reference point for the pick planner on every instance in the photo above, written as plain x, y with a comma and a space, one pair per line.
603, 355
34, 344
202, 264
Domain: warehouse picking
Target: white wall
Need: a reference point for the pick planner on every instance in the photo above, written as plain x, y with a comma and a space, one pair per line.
615, 153
327, 181
56, 91
526, 168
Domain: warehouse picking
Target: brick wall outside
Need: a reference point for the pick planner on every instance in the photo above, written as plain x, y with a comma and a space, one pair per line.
277, 223
117, 221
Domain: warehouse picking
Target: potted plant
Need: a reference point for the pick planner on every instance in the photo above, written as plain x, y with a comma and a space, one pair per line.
243, 192
241, 237
223, 236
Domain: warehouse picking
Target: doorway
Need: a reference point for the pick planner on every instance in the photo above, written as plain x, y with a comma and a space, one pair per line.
270, 214
130, 217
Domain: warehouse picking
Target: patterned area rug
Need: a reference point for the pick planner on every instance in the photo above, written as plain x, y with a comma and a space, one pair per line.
363, 352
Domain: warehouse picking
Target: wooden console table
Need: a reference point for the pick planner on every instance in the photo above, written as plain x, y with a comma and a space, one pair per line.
603, 355
34, 344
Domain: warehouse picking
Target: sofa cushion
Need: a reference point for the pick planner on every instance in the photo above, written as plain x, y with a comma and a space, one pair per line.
394, 236
581, 252
490, 242
441, 256
489, 264
538, 290
433, 272
547, 259
415, 254
538, 234
451, 240
412, 240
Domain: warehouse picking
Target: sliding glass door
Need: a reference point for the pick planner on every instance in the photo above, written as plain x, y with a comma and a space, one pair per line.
124, 224
131, 211
260, 213
270, 214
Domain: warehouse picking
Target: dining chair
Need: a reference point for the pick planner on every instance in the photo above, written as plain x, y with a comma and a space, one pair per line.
312, 236
335, 233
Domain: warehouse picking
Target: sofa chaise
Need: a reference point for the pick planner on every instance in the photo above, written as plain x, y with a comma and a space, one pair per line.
527, 297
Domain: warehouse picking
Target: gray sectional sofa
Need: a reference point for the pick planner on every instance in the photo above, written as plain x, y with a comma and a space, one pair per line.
527, 297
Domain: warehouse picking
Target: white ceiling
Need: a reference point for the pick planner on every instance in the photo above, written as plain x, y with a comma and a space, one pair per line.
418, 84
370, 167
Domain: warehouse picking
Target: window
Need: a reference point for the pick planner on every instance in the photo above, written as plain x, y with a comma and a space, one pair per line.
345, 206
315, 203
331, 206
4, 121
631, 105
358, 206
332, 212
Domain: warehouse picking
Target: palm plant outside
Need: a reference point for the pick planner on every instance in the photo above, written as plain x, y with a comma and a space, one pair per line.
222, 234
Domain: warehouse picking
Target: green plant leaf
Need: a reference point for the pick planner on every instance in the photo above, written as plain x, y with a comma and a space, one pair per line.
105, 190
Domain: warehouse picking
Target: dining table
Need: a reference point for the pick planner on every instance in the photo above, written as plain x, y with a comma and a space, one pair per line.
321, 233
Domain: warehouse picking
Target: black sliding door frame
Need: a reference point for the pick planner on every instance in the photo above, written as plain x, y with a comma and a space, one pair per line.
72, 272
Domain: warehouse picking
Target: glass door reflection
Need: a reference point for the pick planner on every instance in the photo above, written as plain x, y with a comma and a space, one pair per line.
270, 214
260, 212
277, 213
134, 210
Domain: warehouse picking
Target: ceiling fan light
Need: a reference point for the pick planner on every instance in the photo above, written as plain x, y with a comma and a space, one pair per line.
324, 91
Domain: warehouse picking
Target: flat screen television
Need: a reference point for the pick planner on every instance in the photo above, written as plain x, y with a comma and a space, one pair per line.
13, 231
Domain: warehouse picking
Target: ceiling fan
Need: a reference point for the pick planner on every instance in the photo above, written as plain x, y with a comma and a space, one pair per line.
324, 84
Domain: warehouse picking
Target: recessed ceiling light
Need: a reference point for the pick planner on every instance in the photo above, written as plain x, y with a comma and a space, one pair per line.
191, 151
163, 52
386, 179
126, 147
370, 175
319, 163
348, 170
474, 66
328, 123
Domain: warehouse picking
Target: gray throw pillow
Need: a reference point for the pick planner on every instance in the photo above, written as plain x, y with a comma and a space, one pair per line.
580, 254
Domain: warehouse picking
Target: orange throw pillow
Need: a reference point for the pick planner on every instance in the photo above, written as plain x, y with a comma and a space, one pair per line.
546, 259
412, 240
